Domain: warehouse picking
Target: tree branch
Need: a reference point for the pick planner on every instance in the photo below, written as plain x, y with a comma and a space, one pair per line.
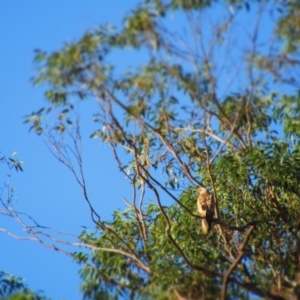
235, 263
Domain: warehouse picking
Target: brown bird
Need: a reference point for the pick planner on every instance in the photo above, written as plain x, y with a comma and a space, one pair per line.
206, 209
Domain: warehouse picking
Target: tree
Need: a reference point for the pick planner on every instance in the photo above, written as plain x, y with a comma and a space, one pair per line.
12, 288
215, 105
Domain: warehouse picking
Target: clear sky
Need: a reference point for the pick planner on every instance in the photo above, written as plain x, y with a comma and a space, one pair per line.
46, 190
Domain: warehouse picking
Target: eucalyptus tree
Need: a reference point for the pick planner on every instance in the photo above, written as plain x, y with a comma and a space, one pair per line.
206, 95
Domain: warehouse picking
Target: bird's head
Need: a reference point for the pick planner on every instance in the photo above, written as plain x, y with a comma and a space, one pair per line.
202, 190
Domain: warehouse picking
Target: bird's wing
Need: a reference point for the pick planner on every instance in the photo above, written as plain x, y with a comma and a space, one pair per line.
204, 203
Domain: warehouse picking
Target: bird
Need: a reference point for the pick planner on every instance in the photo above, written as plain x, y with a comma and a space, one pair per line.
206, 209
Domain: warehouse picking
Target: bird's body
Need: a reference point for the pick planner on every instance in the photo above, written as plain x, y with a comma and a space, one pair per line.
206, 208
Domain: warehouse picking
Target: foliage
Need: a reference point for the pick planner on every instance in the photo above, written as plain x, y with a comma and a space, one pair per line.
13, 288
214, 105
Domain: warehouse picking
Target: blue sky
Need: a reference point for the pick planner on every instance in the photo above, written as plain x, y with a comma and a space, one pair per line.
46, 190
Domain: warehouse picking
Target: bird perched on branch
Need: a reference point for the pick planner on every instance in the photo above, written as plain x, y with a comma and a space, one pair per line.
206, 209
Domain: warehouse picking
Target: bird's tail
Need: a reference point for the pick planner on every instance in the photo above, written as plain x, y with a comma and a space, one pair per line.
205, 226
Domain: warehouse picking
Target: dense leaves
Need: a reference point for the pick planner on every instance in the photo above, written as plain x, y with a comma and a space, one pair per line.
215, 105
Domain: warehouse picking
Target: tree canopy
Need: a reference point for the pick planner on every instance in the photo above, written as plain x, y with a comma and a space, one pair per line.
13, 288
208, 96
